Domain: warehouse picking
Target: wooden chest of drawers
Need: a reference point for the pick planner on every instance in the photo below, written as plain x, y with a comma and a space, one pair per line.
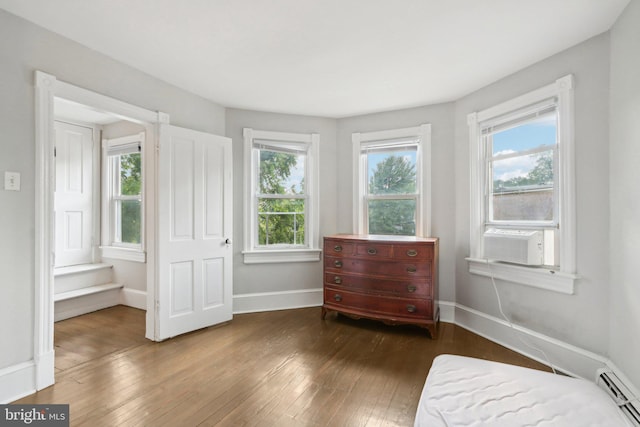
388, 278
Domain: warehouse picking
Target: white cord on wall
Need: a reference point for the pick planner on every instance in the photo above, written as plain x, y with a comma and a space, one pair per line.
531, 346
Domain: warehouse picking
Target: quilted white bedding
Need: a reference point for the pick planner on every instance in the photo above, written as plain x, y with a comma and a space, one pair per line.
462, 391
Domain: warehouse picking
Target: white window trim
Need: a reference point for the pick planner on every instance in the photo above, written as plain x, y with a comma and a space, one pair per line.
253, 255
423, 169
563, 279
109, 249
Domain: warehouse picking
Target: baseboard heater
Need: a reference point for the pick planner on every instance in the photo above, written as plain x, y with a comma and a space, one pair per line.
626, 401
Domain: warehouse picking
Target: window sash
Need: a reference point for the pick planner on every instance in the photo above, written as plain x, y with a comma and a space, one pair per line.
382, 147
285, 147
416, 138
306, 144
389, 146
256, 168
509, 121
113, 151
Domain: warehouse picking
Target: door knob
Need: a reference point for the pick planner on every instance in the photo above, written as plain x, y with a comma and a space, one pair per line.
227, 242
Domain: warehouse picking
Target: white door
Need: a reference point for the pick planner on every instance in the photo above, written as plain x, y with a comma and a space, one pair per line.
73, 200
194, 261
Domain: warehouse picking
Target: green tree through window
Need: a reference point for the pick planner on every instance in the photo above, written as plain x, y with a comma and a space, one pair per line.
541, 175
281, 220
394, 175
130, 210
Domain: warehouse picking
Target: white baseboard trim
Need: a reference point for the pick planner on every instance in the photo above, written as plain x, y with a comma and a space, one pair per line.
133, 298
17, 381
447, 311
271, 301
565, 357
45, 370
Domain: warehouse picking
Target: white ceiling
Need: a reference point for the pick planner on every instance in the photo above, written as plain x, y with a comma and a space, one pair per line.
331, 58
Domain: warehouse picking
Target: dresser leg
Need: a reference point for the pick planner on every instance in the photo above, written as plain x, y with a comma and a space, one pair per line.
324, 313
433, 331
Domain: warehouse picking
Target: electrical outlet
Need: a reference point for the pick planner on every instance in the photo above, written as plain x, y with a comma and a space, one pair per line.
12, 181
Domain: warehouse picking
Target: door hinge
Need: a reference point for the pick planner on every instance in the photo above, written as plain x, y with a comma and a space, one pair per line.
55, 151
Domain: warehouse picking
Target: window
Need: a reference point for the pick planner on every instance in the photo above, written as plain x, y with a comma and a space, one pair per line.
522, 184
392, 182
122, 205
522, 155
281, 220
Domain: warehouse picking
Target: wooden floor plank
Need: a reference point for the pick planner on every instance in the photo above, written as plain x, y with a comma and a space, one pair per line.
282, 368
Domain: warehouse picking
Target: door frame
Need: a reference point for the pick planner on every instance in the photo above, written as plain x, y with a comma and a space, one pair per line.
48, 87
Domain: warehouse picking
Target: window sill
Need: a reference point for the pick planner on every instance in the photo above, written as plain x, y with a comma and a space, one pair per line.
281, 255
126, 254
537, 277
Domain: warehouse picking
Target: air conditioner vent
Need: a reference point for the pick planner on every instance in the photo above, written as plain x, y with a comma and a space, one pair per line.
517, 246
620, 394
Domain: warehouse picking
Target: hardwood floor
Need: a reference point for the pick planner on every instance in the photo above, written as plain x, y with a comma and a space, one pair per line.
282, 368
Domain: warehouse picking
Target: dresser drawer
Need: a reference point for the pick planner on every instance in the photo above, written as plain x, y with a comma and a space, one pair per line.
338, 248
373, 267
374, 250
406, 288
413, 252
390, 306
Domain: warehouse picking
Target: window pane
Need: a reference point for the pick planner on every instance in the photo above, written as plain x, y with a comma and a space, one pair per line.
130, 177
392, 172
281, 173
532, 134
281, 221
396, 217
523, 188
128, 221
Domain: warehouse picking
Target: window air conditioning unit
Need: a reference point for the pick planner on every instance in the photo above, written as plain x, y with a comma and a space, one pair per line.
516, 246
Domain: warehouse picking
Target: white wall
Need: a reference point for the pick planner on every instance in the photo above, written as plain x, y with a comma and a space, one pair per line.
280, 277
580, 319
625, 193
443, 201
25, 48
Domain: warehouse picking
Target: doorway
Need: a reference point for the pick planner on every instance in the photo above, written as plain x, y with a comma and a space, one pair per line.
47, 89
98, 213
187, 219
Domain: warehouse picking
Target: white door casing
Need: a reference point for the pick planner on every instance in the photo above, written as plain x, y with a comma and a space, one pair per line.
48, 88
194, 255
73, 200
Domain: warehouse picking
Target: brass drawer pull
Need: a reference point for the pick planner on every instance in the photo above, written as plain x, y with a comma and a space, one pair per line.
337, 297
411, 288
372, 251
337, 280
337, 248
412, 252
411, 269
411, 308
338, 263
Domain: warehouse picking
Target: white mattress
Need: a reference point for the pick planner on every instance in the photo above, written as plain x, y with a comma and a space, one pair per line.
461, 391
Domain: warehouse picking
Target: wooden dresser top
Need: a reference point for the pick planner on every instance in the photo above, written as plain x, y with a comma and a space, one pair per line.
382, 238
